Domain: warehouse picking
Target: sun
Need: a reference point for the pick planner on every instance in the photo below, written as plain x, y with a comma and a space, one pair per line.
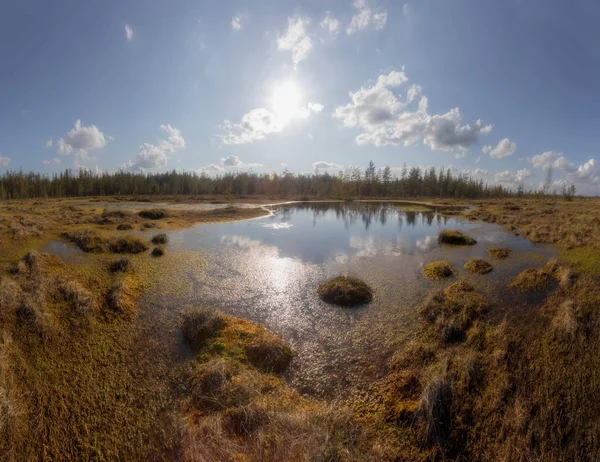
286, 101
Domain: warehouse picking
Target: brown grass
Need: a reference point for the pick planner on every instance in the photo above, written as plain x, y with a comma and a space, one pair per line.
531, 279
478, 266
438, 270
499, 252
454, 237
160, 239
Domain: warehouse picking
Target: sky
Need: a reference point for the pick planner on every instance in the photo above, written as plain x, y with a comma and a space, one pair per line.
500, 90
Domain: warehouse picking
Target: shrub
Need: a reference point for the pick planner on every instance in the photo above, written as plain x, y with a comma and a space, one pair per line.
160, 239
498, 252
478, 266
438, 269
454, 237
129, 244
153, 214
120, 266
201, 324
345, 291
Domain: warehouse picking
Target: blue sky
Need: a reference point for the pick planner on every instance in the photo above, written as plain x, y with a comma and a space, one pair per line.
501, 90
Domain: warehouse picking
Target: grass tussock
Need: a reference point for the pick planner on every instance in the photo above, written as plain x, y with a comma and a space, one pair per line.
120, 266
92, 242
531, 279
200, 325
499, 252
124, 227
454, 237
438, 270
478, 266
121, 300
160, 239
153, 214
345, 291
158, 252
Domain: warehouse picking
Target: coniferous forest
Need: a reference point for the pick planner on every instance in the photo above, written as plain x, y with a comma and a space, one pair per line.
353, 182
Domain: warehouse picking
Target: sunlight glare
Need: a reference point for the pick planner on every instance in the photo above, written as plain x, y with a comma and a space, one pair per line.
286, 101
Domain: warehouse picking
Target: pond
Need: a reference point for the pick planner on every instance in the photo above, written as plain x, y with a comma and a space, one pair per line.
267, 270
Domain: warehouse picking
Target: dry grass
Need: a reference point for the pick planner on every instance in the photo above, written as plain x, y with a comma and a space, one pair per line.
453, 237
160, 239
478, 266
153, 214
345, 291
499, 252
158, 252
438, 270
120, 266
531, 279
93, 242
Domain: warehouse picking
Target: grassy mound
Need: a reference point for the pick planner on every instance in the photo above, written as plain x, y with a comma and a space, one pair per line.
128, 245
158, 252
160, 239
438, 270
345, 291
499, 252
451, 312
91, 242
120, 266
153, 214
531, 279
478, 266
124, 227
201, 324
454, 237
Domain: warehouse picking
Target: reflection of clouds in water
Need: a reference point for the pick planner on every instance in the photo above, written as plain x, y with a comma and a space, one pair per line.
242, 242
278, 225
426, 244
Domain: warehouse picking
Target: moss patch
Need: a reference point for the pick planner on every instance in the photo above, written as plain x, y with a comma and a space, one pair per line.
478, 266
499, 252
454, 237
438, 270
345, 291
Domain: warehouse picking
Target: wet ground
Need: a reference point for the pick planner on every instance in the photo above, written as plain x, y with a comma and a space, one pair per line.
267, 270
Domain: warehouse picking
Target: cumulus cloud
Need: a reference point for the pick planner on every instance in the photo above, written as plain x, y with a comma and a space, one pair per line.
324, 165
386, 119
552, 159
366, 18
236, 23
505, 148
589, 172
330, 23
5, 161
81, 139
296, 39
476, 172
49, 143
129, 32
305, 112
510, 178
152, 156
54, 161
254, 126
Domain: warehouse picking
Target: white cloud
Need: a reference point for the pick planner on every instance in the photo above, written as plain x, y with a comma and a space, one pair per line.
512, 179
460, 155
330, 23
552, 159
152, 156
385, 119
477, 172
505, 148
296, 39
486, 149
54, 161
324, 165
231, 161
366, 18
305, 112
129, 32
81, 139
254, 126
237, 23
49, 143
5, 161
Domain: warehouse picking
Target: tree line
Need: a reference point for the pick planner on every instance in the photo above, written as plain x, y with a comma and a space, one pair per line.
352, 182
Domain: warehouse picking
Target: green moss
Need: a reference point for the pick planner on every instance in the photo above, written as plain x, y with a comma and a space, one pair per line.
454, 237
345, 291
478, 266
585, 259
438, 270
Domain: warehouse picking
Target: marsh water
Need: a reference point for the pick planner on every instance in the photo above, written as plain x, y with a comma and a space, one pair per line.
267, 270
